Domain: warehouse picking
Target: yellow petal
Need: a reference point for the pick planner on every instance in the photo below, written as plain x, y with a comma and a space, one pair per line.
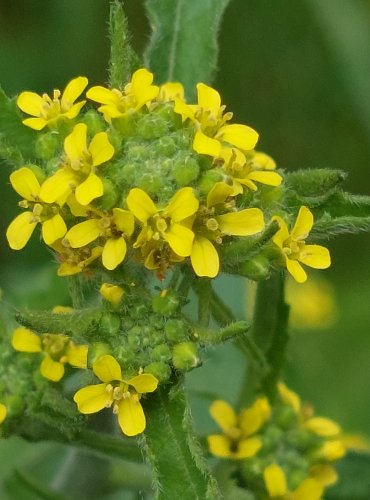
20, 230
205, 145
114, 252
183, 109
289, 397
35, 123
324, 474
92, 398
111, 293
102, 95
30, 103
303, 224
25, 183
72, 91
52, 370
53, 229
218, 193
140, 204
309, 489
283, 234
241, 136
208, 98
75, 142
315, 256
62, 310
76, 209
220, 446
180, 239
252, 419
268, 178
124, 220
296, 270
83, 233
141, 79
170, 91
263, 161
107, 368
204, 258
322, 426
3, 412
24, 340
143, 383
77, 355
131, 417
101, 149
333, 450
58, 185
90, 189
183, 204
248, 447
223, 414
75, 109
243, 223
275, 480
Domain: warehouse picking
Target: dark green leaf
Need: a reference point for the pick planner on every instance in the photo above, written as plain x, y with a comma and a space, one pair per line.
354, 482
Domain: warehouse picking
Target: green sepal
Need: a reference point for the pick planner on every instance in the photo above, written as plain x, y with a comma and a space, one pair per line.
173, 54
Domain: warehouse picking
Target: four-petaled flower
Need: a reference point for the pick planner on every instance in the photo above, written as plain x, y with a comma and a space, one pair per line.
237, 442
58, 350
47, 110
277, 487
294, 248
115, 391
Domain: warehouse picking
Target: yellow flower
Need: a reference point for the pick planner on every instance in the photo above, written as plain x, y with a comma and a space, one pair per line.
57, 350
47, 110
113, 228
20, 230
211, 226
171, 91
117, 104
74, 261
111, 293
79, 167
164, 225
276, 485
3, 413
123, 395
236, 441
294, 248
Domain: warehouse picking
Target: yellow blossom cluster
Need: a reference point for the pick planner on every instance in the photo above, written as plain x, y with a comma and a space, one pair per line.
285, 448
90, 210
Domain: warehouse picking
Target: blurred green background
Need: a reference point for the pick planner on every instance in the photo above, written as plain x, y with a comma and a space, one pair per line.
299, 73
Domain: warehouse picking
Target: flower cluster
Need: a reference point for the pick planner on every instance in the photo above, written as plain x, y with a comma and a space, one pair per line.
286, 451
151, 179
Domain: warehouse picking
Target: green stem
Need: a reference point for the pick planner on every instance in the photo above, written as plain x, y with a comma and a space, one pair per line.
172, 450
76, 292
204, 290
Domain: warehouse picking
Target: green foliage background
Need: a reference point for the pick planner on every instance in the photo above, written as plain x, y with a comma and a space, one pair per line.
297, 72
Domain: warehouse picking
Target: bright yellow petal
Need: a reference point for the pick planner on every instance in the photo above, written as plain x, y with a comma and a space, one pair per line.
208, 98
219, 446
107, 369
289, 397
204, 258
283, 234
53, 229
180, 239
141, 79
315, 256
268, 178
3, 413
35, 123
90, 189
103, 95
83, 233
58, 185
333, 450
323, 426
205, 145
243, 223
111, 293
296, 270
92, 398
275, 480
146, 382
252, 419
77, 355
101, 149
131, 417
170, 91
114, 252
324, 474
75, 142
24, 340
52, 370
218, 194
303, 224
140, 204
20, 230
309, 489
30, 103
263, 161
25, 183
75, 109
72, 91
248, 447
183, 204
183, 109
241, 136
124, 220
223, 414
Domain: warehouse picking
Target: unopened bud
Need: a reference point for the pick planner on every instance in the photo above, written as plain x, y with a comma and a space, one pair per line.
46, 145
185, 356
160, 370
111, 293
257, 268
166, 303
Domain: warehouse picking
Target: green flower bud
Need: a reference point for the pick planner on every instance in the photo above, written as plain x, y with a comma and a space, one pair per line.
110, 196
175, 330
285, 417
161, 353
185, 171
47, 145
303, 439
151, 183
166, 303
95, 122
257, 268
152, 126
185, 356
137, 152
134, 337
95, 351
110, 324
139, 311
166, 146
208, 180
162, 371
296, 477
272, 437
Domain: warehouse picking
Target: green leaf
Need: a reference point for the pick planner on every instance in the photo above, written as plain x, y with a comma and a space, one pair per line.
345, 204
354, 478
22, 484
314, 181
183, 45
327, 227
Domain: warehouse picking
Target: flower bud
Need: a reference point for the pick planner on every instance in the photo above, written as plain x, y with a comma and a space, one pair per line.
208, 180
175, 330
111, 293
160, 370
46, 145
185, 170
110, 324
257, 268
285, 417
110, 195
185, 356
152, 126
166, 303
38, 171
94, 122
97, 350
161, 353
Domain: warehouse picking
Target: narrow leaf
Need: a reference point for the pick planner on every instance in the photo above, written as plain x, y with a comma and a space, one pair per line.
327, 228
